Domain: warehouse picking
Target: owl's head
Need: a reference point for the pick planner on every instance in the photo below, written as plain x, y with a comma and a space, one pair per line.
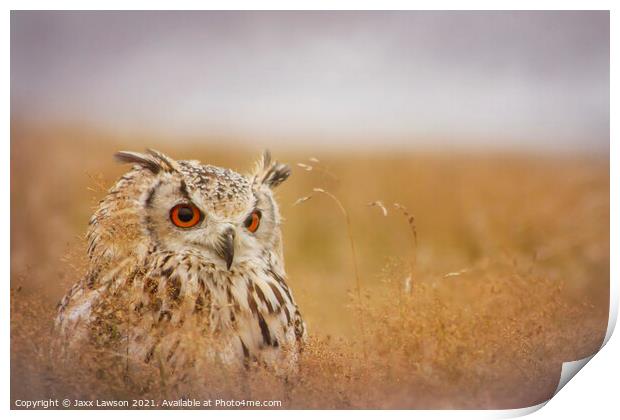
187, 207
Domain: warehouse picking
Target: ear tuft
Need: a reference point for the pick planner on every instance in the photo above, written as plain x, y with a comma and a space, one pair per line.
154, 161
277, 174
266, 158
271, 174
168, 164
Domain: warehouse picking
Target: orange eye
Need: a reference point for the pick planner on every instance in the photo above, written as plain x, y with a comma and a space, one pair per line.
185, 215
253, 221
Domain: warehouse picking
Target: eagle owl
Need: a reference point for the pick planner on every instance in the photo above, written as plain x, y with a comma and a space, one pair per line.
179, 251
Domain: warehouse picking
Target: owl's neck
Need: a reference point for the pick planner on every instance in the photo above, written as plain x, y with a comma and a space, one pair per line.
197, 263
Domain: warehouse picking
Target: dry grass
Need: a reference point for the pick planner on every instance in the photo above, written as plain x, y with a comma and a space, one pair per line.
502, 275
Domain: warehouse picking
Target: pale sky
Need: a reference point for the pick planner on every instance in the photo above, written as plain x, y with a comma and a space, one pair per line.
524, 80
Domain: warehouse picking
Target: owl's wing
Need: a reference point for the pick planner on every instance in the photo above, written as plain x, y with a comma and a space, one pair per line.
75, 311
143, 312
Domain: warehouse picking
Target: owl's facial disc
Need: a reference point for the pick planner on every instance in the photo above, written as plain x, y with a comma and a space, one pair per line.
187, 207
183, 219
227, 218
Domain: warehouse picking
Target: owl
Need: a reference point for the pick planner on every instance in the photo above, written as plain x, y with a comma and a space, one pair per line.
185, 261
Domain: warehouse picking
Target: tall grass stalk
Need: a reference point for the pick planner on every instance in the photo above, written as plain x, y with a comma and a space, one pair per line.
413, 260
358, 286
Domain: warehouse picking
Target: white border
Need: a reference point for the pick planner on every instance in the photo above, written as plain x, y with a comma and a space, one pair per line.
588, 394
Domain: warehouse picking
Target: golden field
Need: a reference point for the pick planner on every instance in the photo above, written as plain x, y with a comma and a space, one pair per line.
502, 275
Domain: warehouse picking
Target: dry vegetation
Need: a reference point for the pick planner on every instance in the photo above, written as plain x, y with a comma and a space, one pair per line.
508, 275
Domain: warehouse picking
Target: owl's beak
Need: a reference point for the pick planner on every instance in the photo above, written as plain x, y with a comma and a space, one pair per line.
227, 247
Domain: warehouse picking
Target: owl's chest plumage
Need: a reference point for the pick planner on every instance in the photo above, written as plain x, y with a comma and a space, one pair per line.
173, 304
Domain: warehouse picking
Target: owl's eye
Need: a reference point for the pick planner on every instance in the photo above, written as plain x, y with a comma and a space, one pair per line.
253, 221
185, 215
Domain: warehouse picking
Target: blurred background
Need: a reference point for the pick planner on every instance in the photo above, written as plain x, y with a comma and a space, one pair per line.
506, 80
492, 128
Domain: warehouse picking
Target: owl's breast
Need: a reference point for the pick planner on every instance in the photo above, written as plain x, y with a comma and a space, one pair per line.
178, 307
255, 307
